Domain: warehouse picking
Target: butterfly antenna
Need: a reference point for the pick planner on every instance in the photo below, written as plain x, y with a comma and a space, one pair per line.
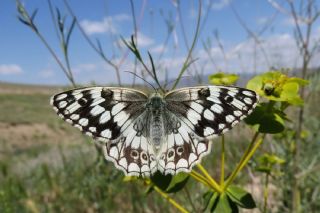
135, 74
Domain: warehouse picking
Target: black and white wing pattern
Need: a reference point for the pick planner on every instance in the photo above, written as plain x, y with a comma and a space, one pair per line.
125, 118
112, 115
198, 114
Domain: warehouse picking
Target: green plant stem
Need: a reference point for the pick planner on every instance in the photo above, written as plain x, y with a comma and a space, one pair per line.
255, 143
96, 48
194, 209
186, 62
199, 178
222, 162
265, 194
212, 182
170, 200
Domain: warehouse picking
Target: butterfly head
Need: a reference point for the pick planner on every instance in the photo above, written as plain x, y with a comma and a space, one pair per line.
156, 101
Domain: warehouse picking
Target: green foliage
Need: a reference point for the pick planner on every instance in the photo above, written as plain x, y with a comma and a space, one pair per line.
266, 163
223, 79
276, 86
229, 201
266, 119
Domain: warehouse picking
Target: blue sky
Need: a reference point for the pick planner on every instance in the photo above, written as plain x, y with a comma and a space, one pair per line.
24, 59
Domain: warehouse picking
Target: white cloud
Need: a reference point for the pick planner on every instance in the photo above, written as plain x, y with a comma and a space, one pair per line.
279, 51
262, 20
10, 69
106, 25
143, 41
220, 4
158, 49
289, 21
46, 73
87, 67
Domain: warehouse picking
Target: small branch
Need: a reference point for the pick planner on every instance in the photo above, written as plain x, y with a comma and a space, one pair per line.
255, 143
198, 177
186, 62
222, 162
168, 198
212, 182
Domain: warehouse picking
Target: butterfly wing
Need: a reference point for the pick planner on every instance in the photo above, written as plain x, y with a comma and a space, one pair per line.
113, 115
211, 110
132, 152
198, 114
183, 149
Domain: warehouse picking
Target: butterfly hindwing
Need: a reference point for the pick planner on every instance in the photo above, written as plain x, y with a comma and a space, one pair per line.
100, 112
211, 110
182, 150
132, 152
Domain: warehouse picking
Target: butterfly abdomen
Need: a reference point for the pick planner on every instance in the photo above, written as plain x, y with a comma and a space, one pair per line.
156, 108
157, 129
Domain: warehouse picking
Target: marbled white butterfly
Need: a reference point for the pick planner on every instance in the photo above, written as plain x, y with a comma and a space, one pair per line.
143, 134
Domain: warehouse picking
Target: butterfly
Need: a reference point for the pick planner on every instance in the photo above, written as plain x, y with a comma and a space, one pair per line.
144, 134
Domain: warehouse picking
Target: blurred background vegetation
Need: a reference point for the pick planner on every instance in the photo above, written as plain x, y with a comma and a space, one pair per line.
48, 166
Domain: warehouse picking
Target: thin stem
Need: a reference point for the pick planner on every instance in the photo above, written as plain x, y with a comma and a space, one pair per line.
96, 49
212, 182
190, 199
199, 178
265, 194
245, 158
171, 200
222, 162
70, 77
186, 62
136, 36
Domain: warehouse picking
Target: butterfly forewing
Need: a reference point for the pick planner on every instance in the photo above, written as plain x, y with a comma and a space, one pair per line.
100, 112
211, 110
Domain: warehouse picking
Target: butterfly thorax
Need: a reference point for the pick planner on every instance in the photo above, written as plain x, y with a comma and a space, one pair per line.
156, 108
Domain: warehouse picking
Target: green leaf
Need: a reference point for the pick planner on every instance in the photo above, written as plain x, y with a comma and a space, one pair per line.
241, 197
223, 79
169, 183
160, 180
209, 199
270, 159
214, 201
178, 182
223, 205
300, 81
129, 178
263, 169
265, 120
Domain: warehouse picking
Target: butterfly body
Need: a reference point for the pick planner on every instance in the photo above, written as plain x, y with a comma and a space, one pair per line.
143, 134
155, 110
